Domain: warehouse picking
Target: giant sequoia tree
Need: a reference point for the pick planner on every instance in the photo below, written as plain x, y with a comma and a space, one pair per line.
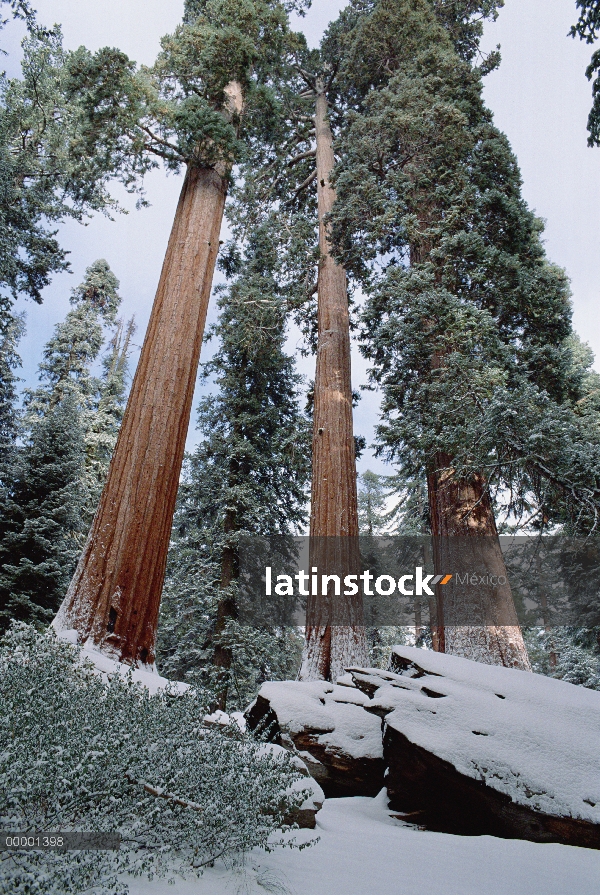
291, 172
189, 111
466, 323
335, 637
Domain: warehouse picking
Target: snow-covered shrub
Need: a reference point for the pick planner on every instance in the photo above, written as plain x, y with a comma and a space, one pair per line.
84, 752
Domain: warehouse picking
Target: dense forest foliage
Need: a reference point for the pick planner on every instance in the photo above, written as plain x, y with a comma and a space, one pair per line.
465, 322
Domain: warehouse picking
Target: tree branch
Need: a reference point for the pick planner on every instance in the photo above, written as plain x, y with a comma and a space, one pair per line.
303, 186
301, 157
161, 794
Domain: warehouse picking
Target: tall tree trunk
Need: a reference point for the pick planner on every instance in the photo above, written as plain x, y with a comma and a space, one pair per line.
480, 620
330, 648
114, 597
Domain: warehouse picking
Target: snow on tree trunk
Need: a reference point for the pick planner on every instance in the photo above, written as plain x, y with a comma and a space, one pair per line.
330, 648
465, 537
114, 596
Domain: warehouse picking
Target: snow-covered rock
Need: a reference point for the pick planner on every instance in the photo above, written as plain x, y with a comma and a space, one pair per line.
466, 748
328, 726
474, 748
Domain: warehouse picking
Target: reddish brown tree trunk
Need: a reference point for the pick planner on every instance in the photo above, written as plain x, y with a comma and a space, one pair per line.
334, 503
479, 620
114, 598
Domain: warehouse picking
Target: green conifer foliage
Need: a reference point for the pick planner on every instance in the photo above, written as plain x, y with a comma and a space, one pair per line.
103, 421
39, 548
372, 494
52, 481
173, 112
67, 368
588, 29
568, 652
10, 418
467, 323
9, 362
46, 175
248, 476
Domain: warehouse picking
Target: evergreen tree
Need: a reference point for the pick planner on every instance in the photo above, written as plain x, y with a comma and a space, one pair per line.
103, 422
290, 171
188, 110
372, 494
76, 343
466, 322
9, 418
588, 29
51, 487
10, 421
570, 653
247, 477
46, 176
39, 547
67, 369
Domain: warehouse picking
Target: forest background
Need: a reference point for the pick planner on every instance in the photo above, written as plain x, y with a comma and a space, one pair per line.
562, 172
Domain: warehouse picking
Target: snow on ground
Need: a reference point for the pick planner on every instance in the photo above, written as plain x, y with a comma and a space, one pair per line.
147, 675
362, 850
533, 737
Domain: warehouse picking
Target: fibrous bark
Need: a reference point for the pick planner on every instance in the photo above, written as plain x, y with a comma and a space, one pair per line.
477, 621
114, 597
330, 648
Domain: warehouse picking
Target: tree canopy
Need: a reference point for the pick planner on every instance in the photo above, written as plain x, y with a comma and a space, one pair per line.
588, 28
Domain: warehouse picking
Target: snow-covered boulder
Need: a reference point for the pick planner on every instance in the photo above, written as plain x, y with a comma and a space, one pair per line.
328, 727
474, 748
465, 748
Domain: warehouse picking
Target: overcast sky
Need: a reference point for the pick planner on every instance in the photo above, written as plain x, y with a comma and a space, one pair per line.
540, 98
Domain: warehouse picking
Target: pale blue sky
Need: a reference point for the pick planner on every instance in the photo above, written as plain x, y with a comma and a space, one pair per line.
540, 98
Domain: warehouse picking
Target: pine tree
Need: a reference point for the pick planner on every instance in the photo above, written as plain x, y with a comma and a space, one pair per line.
10, 422
568, 652
466, 321
372, 494
51, 486
588, 29
39, 546
103, 422
76, 343
188, 111
9, 362
247, 477
67, 369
